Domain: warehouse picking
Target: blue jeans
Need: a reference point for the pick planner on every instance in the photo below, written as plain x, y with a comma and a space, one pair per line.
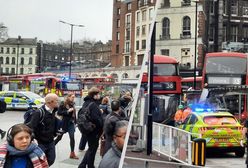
49, 150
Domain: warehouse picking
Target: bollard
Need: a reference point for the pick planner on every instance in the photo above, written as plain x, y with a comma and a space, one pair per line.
199, 152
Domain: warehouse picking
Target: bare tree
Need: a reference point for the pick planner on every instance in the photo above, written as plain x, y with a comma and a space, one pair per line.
3, 32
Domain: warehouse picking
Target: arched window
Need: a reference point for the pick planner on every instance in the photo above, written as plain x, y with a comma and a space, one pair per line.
166, 28
30, 61
22, 61
7, 60
1, 60
13, 60
186, 26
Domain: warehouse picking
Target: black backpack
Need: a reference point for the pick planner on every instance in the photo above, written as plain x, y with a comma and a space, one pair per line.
84, 122
28, 115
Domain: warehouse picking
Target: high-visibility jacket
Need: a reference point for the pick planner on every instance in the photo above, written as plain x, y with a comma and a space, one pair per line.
179, 115
186, 112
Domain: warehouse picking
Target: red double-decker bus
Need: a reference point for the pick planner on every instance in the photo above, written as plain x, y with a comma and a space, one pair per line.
166, 88
225, 69
166, 78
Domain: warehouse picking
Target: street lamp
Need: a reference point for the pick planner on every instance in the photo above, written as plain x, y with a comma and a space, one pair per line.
196, 4
17, 53
71, 41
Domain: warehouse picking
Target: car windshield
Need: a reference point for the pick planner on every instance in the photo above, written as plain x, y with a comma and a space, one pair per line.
32, 95
219, 120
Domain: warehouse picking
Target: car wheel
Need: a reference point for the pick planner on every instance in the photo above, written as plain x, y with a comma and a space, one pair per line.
240, 152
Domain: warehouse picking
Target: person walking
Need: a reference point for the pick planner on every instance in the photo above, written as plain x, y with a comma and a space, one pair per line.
96, 118
104, 107
68, 112
45, 131
179, 115
20, 150
2, 132
110, 122
112, 157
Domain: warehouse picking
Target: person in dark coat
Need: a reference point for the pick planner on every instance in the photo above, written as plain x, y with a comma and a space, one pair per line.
95, 116
112, 157
110, 122
104, 106
45, 131
124, 101
68, 112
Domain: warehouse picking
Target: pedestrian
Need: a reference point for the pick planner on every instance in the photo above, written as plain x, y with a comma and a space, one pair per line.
93, 137
45, 131
245, 136
187, 112
2, 132
82, 143
125, 100
104, 107
179, 115
67, 111
112, 157
110, 122
20, 151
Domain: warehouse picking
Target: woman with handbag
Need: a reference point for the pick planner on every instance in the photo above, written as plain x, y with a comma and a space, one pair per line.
67, 112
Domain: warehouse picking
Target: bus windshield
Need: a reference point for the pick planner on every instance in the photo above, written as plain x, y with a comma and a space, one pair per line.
226, 65
165, 69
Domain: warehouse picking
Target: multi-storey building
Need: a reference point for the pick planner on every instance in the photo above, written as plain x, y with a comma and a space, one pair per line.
131, 20
18, 56
227, 25
176, 34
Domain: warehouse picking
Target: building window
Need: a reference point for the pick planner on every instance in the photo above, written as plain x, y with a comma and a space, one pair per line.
117, 48
165, 52
140, 59
21, 70
13, 50
128, 20
234, 33
118, 11
22, 51
137, 31
126, 60
22, 61
144, 15
143, 44
143, 30
150, 13
245, 8
138, 17
1, 60
118, 23
12, 70
137, 45
165, 28
128, 34
7, 70
13, 61
186, 26
165, 4
211, 34
7, 52
234, 7
1, 50
129, 6
224, 7
224, 34
186, 2
118, 36
127, 47
245, 34
185, 52
7, 60
30, 60
31, 51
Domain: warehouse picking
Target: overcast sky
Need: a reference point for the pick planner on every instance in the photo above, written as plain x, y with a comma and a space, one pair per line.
40, 18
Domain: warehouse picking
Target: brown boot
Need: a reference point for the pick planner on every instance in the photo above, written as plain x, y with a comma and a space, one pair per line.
73, 155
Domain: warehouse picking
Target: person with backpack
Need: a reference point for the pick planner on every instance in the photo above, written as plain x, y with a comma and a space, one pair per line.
67, 111
45, 131
110, 122
95, 116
